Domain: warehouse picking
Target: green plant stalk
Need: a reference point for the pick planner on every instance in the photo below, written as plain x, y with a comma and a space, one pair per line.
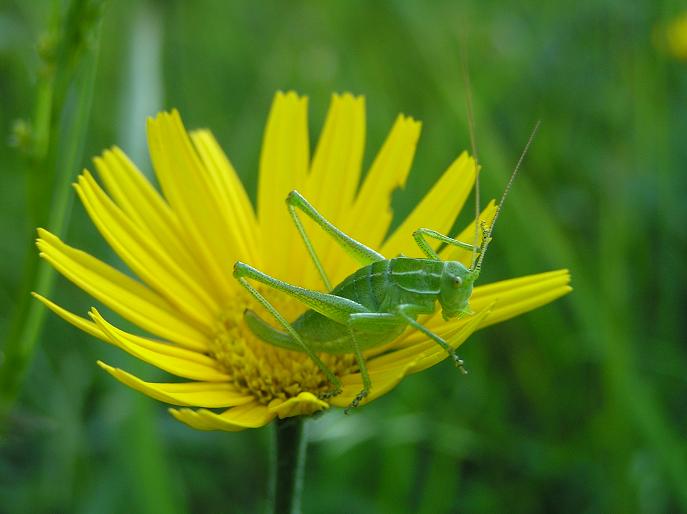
58, 147
289, 465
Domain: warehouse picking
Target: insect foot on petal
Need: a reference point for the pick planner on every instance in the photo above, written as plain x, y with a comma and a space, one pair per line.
331, 393
356, 401
459, 363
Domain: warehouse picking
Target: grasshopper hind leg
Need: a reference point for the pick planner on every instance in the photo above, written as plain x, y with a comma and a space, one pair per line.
267, 333
243, 271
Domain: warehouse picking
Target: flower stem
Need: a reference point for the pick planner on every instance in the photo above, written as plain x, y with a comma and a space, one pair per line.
289, 465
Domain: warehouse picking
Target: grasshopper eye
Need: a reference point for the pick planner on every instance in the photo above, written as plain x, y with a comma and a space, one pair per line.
457, 282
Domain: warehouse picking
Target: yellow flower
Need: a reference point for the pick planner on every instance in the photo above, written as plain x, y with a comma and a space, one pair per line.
676, 34
181, 245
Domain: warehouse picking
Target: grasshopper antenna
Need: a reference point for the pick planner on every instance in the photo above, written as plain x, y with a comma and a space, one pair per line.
465, 69
487, 233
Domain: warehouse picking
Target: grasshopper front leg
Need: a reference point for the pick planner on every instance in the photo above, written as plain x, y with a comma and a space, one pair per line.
420, 234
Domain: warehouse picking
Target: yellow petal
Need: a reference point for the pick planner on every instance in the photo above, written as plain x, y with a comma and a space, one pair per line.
129, 298
383, 381
399, 355
144, 206
192, 419
283, 167
387, 370
371, 214
250, 415
187, 187
438, 354
437, 210
335, 173
81, 323
238, 213
505, 299
509, 309
415, 347
336, 165
191, 394
177, 361
151, 263
514, 285
302, 405
516, 296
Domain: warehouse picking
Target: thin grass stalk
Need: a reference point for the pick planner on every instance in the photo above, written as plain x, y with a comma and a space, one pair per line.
64, 98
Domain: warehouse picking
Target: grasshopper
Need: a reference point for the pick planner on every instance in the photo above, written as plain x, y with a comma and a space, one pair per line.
373, 305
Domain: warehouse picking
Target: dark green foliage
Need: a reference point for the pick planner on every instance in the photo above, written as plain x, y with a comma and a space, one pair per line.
577, 407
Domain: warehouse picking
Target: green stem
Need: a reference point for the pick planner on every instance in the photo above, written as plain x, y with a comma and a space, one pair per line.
288, 467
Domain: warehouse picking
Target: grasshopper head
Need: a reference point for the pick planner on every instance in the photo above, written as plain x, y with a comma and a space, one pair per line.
456, 289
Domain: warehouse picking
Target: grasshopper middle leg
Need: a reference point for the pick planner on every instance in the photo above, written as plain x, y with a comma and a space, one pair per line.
402, 312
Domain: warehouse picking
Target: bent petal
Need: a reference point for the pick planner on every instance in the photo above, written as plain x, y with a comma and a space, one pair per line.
304, 404
250, 415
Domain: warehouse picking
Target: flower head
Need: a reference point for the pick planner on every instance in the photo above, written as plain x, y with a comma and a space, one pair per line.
181, 244
672, 37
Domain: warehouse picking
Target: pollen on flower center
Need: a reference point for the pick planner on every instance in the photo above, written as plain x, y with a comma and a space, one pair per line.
266, 371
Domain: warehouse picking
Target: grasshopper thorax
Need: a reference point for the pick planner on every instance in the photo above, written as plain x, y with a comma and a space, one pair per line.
455, 289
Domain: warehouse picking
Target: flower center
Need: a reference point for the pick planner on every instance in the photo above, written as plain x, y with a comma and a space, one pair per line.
265, 371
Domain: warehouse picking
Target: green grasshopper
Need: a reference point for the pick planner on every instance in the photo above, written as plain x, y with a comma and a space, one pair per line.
373, 305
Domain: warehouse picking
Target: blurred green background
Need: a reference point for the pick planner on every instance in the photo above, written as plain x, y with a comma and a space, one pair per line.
580, 406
